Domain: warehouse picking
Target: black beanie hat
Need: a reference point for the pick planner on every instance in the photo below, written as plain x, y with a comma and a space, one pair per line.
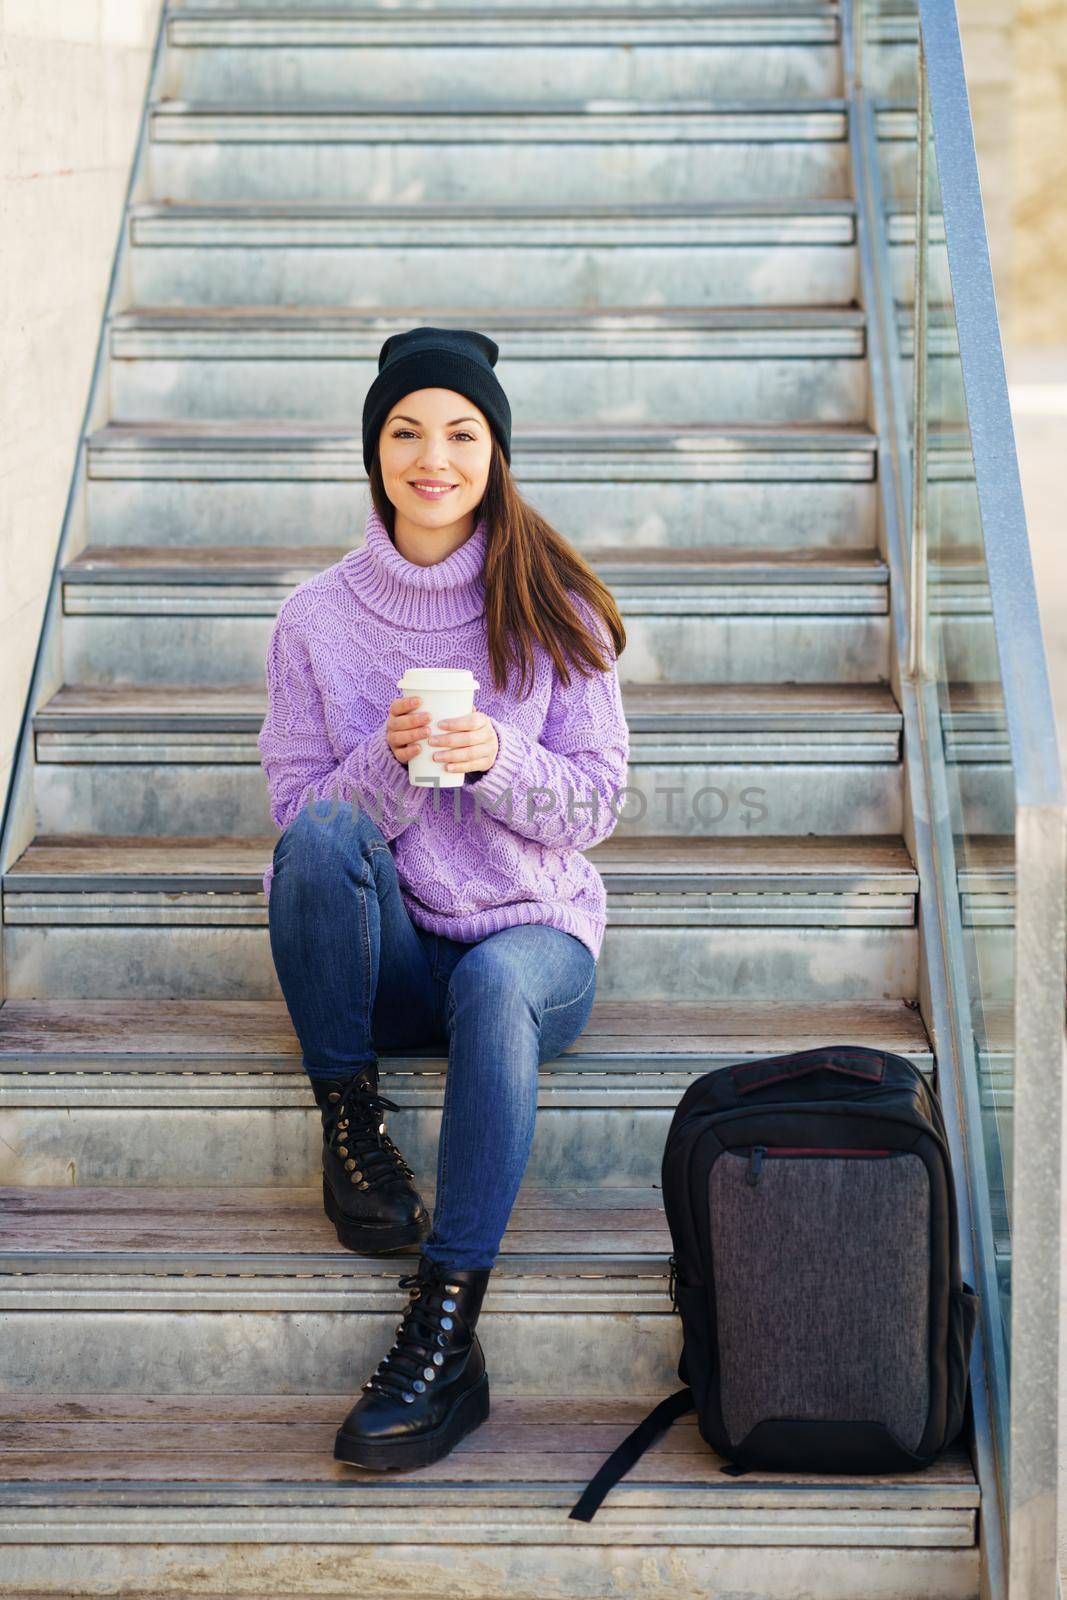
436, 358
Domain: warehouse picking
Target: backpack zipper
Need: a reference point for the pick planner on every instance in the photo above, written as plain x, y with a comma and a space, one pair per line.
754, 1171
755, 1164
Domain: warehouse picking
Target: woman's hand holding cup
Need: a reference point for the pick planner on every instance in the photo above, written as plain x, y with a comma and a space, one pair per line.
471, 744
402, 729
448, 696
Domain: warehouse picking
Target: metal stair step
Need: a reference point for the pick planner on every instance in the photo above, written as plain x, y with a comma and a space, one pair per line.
900, 235
540, 1438
987, 908
176, 1093
582, 120
754, 758
554, 1235
642, 482
497, 54
689, 22
242, 1288
720, 714
686, 148
235, 1283
745, 11
242, 1038
818, 918
553, 334
831, 865
753, 364
152, 614
834, 579
946, 372
789, 252
158, 1474
247, 1292
282, 449
586, 150
960, 605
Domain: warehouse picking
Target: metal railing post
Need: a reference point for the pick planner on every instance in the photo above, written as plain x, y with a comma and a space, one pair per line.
917, 565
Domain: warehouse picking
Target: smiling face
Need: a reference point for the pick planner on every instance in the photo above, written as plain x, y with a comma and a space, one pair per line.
435, 448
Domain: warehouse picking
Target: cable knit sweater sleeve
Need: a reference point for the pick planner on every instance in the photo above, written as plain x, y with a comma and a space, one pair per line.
563, 789
299, 758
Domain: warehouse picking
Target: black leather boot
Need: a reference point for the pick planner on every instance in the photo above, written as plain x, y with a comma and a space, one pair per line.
366, 1183
431, 1387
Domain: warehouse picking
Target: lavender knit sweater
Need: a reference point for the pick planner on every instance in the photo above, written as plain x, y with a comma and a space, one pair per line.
501, 849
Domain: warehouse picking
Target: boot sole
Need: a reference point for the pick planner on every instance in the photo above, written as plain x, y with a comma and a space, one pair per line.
468, 1413
367, 1240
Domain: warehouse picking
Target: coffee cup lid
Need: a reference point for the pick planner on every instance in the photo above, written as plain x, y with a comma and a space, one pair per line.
438, 678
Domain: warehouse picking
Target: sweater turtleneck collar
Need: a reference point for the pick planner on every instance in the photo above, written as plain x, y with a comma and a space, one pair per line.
442, 595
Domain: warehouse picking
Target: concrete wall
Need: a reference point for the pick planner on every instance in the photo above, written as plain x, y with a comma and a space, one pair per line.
1015, 53
72, 81
1039, 175
988, 31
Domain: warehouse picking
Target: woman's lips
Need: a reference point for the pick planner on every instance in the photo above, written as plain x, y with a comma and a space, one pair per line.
433, 494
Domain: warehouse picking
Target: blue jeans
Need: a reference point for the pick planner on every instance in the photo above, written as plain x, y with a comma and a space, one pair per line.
358, 976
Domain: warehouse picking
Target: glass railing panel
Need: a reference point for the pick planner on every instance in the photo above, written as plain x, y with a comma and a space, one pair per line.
991, 801
954, 613
890, 49
963, 659
1006, 805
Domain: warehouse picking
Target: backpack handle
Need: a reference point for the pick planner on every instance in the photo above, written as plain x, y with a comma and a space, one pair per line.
749, 1077
632, 1448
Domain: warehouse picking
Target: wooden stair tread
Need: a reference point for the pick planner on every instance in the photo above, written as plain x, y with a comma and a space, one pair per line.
987, 852
206, 561
86, 856
733, 698
780, 709
789, 205
206, 1223
623, 105
247, 1030
621, 320
297, 433
248, 1439
190, 559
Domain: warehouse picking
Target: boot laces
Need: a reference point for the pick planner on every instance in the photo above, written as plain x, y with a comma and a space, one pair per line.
357, 1135
423, 1335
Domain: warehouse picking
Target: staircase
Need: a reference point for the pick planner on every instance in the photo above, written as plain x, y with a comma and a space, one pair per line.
651, 207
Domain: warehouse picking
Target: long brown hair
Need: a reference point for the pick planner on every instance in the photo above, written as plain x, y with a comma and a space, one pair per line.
528, 569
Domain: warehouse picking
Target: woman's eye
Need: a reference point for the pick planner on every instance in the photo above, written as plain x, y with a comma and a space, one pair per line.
399, 433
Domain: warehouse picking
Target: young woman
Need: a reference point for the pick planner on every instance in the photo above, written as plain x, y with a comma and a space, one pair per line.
402, 915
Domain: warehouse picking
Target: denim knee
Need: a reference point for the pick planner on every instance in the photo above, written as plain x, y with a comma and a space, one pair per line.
325, 831
493, 990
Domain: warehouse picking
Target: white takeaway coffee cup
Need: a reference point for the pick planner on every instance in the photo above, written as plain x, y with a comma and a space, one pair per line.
445, 692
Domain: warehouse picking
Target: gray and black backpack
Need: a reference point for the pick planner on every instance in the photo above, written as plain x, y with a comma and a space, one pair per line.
816, 1269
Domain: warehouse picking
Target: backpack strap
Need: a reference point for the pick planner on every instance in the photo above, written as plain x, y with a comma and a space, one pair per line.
631, 1450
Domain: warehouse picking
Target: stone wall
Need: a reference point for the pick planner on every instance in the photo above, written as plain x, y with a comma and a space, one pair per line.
1038, 313
1015, 54
988, 32
72, 81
